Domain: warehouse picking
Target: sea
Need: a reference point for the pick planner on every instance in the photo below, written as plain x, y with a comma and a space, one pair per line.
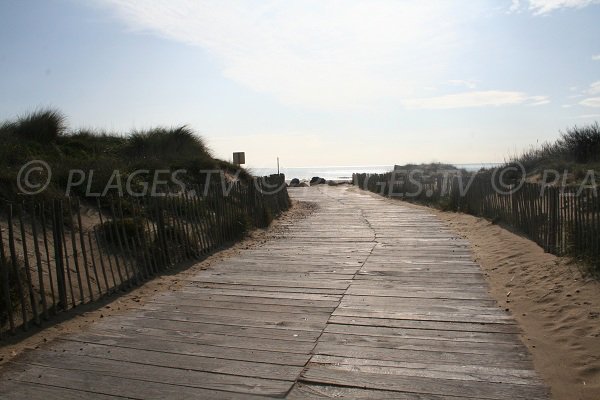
340, 173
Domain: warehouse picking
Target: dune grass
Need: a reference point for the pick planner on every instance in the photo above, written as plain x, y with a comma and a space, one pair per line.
44, 135
576, 151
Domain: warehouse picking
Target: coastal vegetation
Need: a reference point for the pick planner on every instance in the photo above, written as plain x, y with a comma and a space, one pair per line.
97, 228
44, 135
571, 157
548, 193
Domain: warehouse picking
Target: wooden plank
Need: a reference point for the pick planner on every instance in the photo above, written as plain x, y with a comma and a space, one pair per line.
212, 339
303, 289
405, 343
399, 302
95, 383
181, 327
174, 376
425, 385
432, 334
422, 293
518, 360
175, 360
256, 318
209, 297
425, 314
258, 293
482, 373
290, 308
27, 391
424, 324
231, 353
305, 390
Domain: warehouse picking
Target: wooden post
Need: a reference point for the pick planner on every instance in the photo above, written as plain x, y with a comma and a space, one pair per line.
61, 227
15, 267
58, 258
117, 235
75, 254
32, 299
84, 254
47, 252
117, 265
6, 285
101, 261
38, 260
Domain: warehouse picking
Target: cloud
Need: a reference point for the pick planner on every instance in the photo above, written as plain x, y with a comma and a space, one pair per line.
537, 100
515, 6
594, 88
490, 98
588, 116
596, 57
470, 84
591, 102
541, 7
320, 54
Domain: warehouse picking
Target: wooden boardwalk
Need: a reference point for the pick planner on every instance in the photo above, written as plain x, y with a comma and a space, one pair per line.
363, 299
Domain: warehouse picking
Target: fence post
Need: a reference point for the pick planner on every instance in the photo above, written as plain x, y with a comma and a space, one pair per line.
6, 286
58, 257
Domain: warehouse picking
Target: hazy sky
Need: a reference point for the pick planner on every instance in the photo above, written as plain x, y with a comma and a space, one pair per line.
341, 82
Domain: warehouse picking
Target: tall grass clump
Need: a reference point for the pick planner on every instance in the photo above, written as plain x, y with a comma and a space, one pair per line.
576, 150
43, 135
582, 144
43, 126
166, 144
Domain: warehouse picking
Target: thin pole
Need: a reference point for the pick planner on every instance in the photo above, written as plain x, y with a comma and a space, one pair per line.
277, 165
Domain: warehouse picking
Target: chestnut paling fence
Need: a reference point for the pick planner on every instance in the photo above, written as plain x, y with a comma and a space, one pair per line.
562, 220
57, 255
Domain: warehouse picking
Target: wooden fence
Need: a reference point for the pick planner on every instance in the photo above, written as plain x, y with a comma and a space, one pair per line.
562, 220
57, 255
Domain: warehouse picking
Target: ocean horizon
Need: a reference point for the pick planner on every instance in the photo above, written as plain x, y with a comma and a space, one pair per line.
343, 172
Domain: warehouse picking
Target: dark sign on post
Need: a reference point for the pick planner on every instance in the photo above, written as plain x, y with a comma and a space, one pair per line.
239, 158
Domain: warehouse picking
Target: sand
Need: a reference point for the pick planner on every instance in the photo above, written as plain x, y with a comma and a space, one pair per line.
80, 318
556, 305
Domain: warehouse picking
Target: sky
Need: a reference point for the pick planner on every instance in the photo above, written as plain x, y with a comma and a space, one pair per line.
316, 83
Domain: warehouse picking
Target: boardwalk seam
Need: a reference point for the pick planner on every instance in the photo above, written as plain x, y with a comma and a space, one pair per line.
375, 243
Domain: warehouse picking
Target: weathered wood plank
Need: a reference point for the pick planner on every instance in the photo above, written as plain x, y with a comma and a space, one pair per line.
95, 383
232, 353
425, 385
174, 376
176, 360
173, 328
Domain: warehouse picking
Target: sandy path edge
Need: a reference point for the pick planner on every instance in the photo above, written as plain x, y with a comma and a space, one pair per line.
82, 317
556, 306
